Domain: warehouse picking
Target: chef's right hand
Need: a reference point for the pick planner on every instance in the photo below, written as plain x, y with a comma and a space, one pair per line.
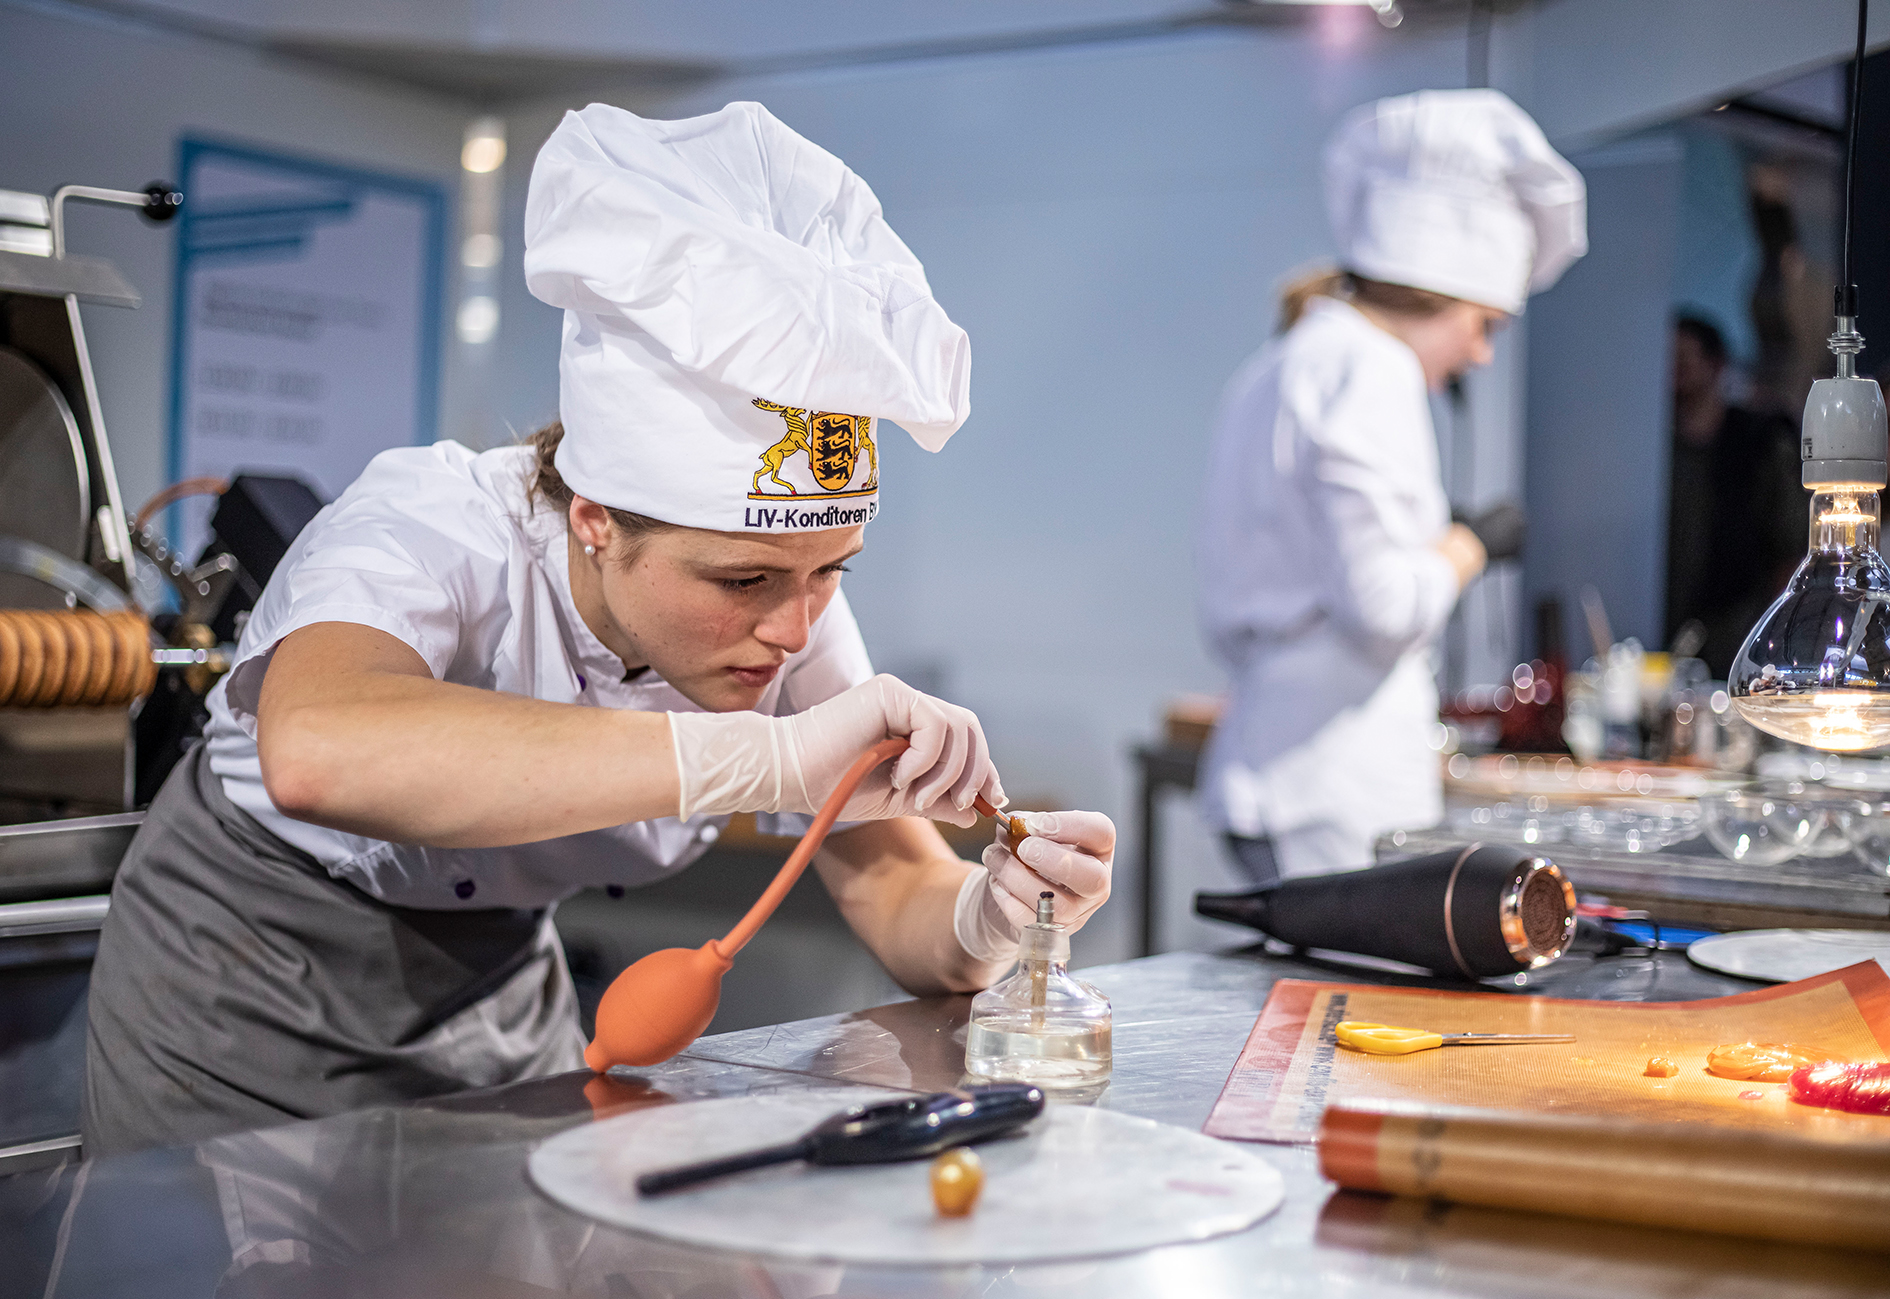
1463, 552
748, 762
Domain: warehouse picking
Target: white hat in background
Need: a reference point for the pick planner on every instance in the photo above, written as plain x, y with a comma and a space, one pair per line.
1455, 191
738, 317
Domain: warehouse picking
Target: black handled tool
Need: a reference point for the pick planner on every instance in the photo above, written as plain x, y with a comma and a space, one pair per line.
887, 1133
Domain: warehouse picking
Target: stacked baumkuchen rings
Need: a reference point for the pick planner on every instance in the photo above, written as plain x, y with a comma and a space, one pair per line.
59, 659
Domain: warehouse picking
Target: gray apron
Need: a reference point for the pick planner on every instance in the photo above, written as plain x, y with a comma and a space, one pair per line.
238, 985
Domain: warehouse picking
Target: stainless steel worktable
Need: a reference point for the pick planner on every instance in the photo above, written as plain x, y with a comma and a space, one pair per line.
432, 1199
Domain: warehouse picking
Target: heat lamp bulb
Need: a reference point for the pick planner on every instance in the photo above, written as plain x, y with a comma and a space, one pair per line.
1816, 668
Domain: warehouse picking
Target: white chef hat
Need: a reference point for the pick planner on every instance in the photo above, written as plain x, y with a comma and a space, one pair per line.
1455, 191
738, 317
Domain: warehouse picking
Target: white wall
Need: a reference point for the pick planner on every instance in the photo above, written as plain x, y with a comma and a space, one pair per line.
1589, 70
1598, 403
90, 100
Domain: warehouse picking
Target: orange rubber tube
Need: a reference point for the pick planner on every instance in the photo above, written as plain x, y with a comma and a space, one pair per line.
662, 1003
177, 492
771, 897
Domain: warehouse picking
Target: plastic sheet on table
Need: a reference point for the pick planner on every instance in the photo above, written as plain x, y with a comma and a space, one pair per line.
1292, 1066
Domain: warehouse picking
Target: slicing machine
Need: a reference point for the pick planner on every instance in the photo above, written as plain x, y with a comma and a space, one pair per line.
64, 540
92, 602
68, 543
64, 545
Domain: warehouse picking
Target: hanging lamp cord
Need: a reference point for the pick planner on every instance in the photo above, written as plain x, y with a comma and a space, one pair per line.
1847, 290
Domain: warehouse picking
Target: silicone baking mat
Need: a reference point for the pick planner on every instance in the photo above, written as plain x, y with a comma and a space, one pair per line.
1291, 1066
1078, 1183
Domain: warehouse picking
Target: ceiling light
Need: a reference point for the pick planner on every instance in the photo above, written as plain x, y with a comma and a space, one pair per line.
482, 153
478, 320
1387, 10
481, 252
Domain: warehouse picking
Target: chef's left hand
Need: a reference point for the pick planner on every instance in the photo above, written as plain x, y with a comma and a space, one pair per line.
1067, 853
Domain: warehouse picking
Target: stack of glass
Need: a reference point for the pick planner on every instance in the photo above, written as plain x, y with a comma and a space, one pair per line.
1762, 824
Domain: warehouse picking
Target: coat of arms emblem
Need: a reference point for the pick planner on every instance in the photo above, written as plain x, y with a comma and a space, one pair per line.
834, 443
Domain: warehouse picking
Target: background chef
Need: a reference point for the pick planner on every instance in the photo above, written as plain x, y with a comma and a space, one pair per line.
1327, 560
478, 683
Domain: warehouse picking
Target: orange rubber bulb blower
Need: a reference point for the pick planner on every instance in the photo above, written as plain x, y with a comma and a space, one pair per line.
658, 1006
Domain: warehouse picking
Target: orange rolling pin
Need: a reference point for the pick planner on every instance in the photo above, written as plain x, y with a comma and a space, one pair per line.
1696, 1177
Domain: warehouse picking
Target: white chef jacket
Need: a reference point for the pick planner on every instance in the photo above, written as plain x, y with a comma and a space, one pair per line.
450, 553
1320, 593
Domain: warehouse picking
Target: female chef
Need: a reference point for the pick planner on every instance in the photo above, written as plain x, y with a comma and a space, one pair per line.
478, 683
1327, 560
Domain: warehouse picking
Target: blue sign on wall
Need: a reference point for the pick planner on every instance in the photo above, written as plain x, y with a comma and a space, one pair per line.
306, 318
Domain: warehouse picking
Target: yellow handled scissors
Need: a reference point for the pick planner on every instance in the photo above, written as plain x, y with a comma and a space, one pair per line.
1382, 1039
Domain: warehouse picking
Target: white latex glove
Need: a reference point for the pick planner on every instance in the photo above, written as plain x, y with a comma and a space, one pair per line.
1070, 854
749, 762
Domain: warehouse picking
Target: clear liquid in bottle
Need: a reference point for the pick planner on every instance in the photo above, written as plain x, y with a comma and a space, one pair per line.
1006, 1047
1041, 1025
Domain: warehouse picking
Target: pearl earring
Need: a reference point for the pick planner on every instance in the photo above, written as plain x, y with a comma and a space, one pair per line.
590, 550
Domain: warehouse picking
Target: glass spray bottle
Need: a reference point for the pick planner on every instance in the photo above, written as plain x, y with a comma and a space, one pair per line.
1040, 1025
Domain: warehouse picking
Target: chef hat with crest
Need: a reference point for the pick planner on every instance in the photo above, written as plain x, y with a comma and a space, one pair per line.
1455, 191
738, 319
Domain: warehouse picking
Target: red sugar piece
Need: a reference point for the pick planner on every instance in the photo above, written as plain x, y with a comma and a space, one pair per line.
1860, 1088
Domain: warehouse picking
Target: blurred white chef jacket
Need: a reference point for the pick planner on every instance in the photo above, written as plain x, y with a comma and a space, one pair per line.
1320, 593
